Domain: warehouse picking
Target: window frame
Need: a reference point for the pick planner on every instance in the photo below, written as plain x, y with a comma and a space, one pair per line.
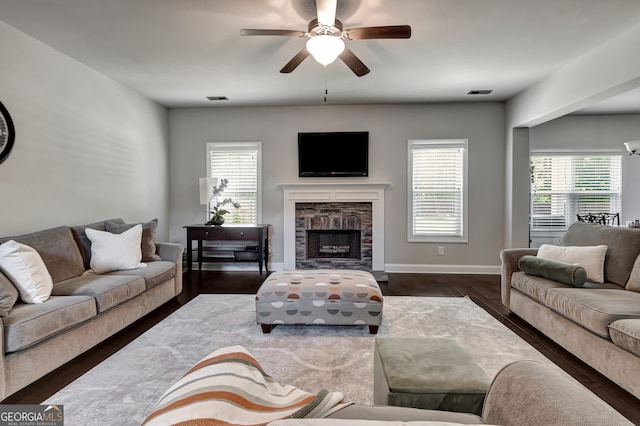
235, 147
573, 194
433, 144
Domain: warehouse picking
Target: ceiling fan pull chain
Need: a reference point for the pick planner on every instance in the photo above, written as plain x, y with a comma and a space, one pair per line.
326, 89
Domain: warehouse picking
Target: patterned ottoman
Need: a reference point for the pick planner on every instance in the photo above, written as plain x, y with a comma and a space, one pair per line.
323, 296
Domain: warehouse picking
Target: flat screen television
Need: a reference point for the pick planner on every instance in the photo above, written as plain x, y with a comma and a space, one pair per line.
333, 154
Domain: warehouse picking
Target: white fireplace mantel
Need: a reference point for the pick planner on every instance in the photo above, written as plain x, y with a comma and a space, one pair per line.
333, 192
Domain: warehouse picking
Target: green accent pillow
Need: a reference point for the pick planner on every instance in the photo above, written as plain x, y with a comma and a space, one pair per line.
565, 273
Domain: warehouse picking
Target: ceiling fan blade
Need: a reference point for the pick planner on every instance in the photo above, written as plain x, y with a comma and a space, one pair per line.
352, 61
368, 33
254, 32
295, 61
326, 12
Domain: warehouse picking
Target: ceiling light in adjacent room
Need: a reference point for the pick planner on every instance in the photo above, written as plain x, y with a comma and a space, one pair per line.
325, 48
633, 147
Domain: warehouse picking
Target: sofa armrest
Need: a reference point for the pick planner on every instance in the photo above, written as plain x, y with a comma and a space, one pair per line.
510, 258
172, 252
2, 366
528, 392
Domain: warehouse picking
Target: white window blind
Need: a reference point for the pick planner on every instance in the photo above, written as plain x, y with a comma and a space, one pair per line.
240, 163
566, 185
437, 190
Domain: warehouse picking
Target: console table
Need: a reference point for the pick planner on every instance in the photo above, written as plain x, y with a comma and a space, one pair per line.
256, 234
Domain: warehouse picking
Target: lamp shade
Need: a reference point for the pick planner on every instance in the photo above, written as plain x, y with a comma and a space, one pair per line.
325, 48
206, 189
633, 147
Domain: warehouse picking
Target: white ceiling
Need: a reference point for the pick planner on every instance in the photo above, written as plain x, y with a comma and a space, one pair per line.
178, 52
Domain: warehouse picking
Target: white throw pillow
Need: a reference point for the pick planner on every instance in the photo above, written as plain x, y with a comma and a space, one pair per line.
26, 269
591, 258
115, 252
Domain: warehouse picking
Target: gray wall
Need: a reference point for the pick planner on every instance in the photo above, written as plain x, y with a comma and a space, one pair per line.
86, 148
389, 126
598, 132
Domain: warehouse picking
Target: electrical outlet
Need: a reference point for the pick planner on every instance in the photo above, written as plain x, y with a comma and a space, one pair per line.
440, 250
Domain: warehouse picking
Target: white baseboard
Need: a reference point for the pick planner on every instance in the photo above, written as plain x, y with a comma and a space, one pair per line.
442, 269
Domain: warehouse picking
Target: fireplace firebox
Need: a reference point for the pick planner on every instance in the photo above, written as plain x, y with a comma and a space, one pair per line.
333, 244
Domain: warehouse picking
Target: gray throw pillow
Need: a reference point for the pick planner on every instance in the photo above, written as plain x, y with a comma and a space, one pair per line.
565, 273
147, 244
8, 295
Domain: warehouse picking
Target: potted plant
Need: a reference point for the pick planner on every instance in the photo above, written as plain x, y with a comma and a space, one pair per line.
217, 214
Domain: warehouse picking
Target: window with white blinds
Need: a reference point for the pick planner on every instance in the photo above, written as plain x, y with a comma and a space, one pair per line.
567, 184
240, 163
438, 190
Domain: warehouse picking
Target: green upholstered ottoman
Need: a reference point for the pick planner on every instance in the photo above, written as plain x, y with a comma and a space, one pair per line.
429, 373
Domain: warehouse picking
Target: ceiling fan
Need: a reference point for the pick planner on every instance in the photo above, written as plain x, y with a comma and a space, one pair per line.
326, 38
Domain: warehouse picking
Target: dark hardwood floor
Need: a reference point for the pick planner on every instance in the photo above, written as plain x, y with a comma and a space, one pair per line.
484, 290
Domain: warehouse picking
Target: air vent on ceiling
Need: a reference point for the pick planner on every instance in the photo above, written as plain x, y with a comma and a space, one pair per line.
479, 92
217, 98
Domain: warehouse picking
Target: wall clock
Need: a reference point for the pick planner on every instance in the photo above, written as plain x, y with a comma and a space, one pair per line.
7, 133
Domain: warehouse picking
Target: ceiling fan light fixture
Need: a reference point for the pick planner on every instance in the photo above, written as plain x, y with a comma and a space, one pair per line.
633, 147
325, 48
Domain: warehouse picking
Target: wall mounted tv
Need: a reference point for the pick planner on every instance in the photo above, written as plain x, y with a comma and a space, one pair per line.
333, 154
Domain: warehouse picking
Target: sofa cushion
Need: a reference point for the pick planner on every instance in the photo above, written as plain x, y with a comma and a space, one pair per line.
83, 242
108, 290
57, 249
626, 334
633, 284
24, 266
8, 295
28, 324
147, 243
537, 287
565, 273
623, 247
534, 287
591, 258
594, 309
154, 274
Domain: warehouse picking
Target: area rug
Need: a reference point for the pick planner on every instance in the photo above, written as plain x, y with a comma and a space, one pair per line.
124, 388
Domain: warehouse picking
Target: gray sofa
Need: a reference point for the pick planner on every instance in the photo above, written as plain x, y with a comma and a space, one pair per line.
522, 393
82, 310
598, 323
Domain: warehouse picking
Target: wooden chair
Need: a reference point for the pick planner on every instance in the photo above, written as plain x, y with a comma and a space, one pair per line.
601, 218
609, 219
586, 218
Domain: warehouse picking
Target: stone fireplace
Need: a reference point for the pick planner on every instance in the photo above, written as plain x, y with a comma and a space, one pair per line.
335, 235
336, 214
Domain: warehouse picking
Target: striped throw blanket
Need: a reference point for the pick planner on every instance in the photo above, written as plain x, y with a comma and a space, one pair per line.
229, 387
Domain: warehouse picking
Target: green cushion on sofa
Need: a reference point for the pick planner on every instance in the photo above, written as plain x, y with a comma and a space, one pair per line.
565, 273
